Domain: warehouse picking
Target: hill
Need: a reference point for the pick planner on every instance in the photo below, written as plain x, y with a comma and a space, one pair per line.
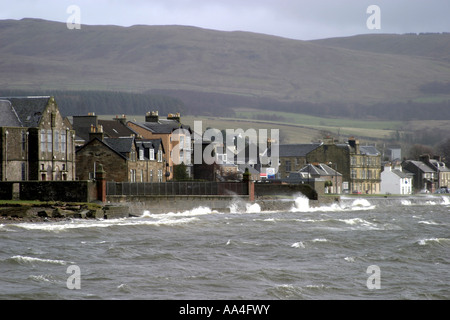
231, 69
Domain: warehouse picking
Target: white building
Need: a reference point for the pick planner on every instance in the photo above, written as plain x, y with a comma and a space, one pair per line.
396, 181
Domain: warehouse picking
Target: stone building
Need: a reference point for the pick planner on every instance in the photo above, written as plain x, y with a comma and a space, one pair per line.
155, 127
360, 166
36, 142
124, 159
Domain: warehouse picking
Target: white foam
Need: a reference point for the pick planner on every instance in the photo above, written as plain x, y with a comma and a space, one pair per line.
298, 245
406, 202
320, 240
25, 259
424, 242
253, 208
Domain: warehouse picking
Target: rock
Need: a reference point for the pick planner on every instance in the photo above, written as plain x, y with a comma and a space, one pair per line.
42, 214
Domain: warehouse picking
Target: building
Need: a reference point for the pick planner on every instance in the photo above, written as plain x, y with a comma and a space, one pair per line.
115, 128
396, 181
36, 143
175, 136
430, 173
293, 157
125, 159
360, 166
332, 178
426, 180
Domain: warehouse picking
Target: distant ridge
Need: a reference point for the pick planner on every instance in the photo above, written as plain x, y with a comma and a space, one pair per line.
368, 69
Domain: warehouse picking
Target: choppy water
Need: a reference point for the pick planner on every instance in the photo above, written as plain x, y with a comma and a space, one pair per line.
304, 253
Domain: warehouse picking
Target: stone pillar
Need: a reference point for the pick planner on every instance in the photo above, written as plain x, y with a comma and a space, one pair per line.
101, 183
251, 191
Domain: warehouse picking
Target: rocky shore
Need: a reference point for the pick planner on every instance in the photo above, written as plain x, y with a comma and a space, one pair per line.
16, 213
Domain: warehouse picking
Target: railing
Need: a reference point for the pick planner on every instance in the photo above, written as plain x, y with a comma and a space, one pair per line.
175, 188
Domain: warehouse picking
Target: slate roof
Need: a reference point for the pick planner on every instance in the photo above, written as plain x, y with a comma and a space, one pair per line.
297, 150
320, 170
163, 126
29, 110
150, 144
402, 174
121, 145
369, 150
115, 129
8, 117
420, 165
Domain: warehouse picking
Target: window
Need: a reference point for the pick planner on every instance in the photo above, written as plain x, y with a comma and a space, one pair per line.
43, 143
141, 154
63, 141
288, 165
133, 175
160, 175
24, 141
160, 156
142, 174
24, 171
151, 175
152, 154
56, 148
49, 141
353, 174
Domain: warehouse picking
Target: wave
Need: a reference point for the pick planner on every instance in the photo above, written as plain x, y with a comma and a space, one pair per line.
434, 241
301, 204
32, 260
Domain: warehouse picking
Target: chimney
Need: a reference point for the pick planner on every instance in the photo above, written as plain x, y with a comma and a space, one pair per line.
176, 116
354, 144
152, 116
96, 132
425, 158
121, 118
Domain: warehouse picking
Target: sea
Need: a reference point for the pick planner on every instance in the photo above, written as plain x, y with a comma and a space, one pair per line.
395, 248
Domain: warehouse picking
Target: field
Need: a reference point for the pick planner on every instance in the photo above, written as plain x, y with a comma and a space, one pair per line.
300, 128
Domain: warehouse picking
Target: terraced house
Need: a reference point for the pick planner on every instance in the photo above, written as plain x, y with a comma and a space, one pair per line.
36, 143
360, 166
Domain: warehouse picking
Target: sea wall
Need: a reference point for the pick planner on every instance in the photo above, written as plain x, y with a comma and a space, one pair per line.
164, 204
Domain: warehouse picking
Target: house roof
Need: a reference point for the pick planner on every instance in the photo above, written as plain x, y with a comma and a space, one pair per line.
105, 144
115, 129
9, 117
123, 145
150, 144
402, 174
29, 110
420, 165
320, 169
297, 150
369, 150
163, 126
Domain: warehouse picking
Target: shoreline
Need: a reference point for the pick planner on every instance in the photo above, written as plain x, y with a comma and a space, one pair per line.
14, 212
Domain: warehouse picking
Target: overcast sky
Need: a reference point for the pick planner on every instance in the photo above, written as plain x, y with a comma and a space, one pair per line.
297, 19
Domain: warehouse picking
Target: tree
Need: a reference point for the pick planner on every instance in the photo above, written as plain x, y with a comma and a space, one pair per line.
419, 149
180, 173
444, 151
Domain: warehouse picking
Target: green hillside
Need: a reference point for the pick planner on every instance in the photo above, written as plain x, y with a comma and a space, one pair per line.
43, 55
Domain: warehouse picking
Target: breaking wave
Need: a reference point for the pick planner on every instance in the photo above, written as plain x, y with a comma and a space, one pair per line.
32, 260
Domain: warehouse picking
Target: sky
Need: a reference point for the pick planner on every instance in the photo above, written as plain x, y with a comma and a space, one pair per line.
296, 19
